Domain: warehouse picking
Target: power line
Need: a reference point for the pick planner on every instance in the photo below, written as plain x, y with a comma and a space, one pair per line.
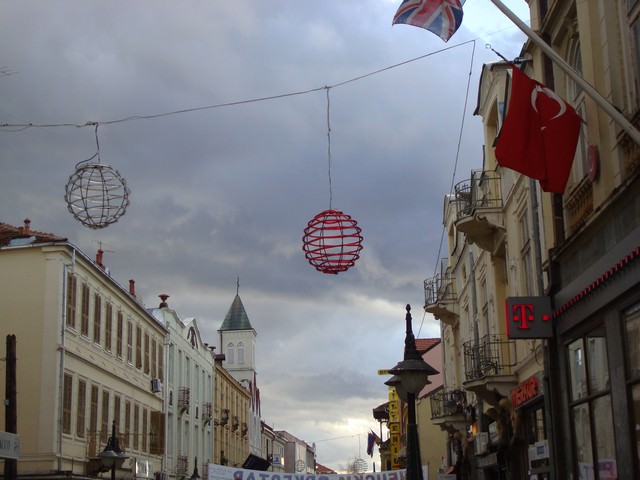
16, 127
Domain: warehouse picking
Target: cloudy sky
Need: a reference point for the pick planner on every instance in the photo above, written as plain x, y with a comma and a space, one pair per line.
220, 192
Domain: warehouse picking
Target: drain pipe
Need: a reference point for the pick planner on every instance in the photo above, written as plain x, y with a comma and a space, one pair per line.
66, 268
547, 380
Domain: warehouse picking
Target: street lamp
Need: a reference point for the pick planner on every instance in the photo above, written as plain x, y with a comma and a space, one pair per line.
409, 377
194, 475
113, 456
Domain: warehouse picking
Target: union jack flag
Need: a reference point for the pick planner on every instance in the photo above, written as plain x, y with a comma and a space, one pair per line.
442, 17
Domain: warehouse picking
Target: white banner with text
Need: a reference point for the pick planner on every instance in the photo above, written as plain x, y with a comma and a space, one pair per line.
222, 472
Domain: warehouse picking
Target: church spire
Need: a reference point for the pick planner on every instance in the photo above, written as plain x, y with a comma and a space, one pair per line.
236, 318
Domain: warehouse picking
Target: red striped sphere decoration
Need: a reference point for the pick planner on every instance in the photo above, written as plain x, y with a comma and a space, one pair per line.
332, 242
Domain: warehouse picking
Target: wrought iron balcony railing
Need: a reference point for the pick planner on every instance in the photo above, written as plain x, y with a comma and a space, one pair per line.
448, 402
441, 287
491, 355
482, 190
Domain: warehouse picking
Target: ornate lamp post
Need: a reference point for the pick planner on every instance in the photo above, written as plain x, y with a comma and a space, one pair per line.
194, 475
409, 377
113, 456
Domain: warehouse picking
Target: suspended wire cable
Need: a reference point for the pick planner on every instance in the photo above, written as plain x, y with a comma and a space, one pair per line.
329, 147
16, 127
455, 163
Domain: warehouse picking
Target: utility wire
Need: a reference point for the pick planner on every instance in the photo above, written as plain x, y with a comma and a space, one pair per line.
15, 127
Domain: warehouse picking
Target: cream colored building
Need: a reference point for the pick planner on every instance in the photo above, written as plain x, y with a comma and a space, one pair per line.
189, 392
493, 253
88, 354
231, 412
563, 407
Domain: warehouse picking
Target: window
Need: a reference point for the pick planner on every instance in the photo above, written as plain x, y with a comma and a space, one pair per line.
632, 330
230, 353
66, 403
84, 313
108, 327
154, 358
138, 346
116, 411
590, 405
93, 412
634, 23
82, 408
97, 317
146, 353
130, 342
160, 362
119, 331
136, 423
527, 270
145, 414
127, 423
72, 284
104, 426
577, 98
240, 353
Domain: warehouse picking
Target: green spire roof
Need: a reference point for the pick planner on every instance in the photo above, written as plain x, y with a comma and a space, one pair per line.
236, 318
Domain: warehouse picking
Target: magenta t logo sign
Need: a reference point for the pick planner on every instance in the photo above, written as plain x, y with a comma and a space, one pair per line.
529, 317
523, 312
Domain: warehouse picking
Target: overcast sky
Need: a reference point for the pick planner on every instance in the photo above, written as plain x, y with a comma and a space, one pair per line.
226, 192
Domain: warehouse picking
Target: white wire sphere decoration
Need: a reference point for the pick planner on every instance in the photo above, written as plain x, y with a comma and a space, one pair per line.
96, 195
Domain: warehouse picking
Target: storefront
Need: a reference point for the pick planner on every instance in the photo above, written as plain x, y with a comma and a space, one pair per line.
595, 357
530, 429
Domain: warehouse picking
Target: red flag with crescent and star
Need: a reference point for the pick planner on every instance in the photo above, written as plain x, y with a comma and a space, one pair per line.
539, 135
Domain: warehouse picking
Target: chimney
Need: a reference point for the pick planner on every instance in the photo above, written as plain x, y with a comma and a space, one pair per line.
132, 288
27, 226
99, 256
164, 303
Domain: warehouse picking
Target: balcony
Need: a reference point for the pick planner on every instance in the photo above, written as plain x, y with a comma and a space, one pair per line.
479, 211
440, 296
489, 367
448, 409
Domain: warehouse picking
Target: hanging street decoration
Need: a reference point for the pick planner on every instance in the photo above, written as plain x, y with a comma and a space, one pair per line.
96, 194
332, 242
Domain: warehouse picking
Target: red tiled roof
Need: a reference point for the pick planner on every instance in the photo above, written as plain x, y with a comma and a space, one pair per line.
321, 469
423, 345
10, 232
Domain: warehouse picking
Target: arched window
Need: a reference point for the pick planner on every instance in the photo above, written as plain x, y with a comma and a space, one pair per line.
240, 353
576, 96
229, 353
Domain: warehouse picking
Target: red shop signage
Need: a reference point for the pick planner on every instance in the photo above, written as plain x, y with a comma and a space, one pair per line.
527, 390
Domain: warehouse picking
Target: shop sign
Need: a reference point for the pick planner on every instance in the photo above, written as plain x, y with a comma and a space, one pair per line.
9, 445
527, 390
529, 317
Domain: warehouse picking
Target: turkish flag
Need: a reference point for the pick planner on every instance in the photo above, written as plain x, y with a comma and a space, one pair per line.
539, 135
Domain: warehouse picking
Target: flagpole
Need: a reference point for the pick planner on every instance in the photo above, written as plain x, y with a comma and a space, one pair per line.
615, 114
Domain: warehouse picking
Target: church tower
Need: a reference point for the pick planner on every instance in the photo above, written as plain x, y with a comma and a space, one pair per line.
238, 345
